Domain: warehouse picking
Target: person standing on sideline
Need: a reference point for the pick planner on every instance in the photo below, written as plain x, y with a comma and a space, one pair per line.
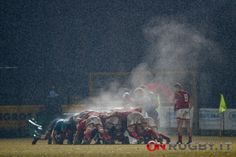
182, 109
53, 107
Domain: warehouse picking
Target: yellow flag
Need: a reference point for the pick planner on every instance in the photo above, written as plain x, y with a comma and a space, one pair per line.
222, 107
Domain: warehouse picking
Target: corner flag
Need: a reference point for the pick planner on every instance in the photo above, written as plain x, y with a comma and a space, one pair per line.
222, 107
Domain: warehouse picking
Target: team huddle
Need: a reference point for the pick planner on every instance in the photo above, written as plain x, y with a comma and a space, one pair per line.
126, 125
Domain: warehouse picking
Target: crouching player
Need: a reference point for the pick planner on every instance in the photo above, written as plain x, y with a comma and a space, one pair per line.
115, 124
63, 129
144, 129
38, 131
94, 130
58, 132
90, 129
159, 137
136, 128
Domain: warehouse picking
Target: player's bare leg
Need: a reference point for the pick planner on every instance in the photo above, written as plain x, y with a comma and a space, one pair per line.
189, 131
76, 138
132, 132
88, 134
104, 135
179, 127
53, 136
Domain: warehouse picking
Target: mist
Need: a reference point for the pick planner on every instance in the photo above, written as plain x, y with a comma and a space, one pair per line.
174, 48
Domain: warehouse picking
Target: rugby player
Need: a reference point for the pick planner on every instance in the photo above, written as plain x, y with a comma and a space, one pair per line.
182, 109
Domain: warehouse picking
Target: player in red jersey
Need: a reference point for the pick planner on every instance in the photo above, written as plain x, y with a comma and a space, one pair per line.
115, 123
89, 127
143, 129
153, 131
182, 109
81, 126
94, 130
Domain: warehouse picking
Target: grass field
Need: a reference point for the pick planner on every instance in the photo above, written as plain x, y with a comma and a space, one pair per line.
23, 148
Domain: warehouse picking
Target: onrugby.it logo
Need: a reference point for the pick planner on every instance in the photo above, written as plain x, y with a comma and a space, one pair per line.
154, 146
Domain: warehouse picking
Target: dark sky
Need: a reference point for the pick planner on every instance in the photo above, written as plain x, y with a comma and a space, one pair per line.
60, 42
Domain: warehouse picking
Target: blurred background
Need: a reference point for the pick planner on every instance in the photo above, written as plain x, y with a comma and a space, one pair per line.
63, 45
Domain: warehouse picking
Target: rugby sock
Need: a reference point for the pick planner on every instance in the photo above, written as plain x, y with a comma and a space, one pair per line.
134, 135
180, 138
87, 135
190, 138
105, 137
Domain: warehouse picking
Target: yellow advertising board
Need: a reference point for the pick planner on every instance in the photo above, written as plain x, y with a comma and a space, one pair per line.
16, 116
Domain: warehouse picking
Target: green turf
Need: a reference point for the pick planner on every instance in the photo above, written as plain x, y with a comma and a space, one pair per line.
23, 148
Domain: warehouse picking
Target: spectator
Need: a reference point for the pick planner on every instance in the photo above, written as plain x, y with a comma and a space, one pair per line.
53, 107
